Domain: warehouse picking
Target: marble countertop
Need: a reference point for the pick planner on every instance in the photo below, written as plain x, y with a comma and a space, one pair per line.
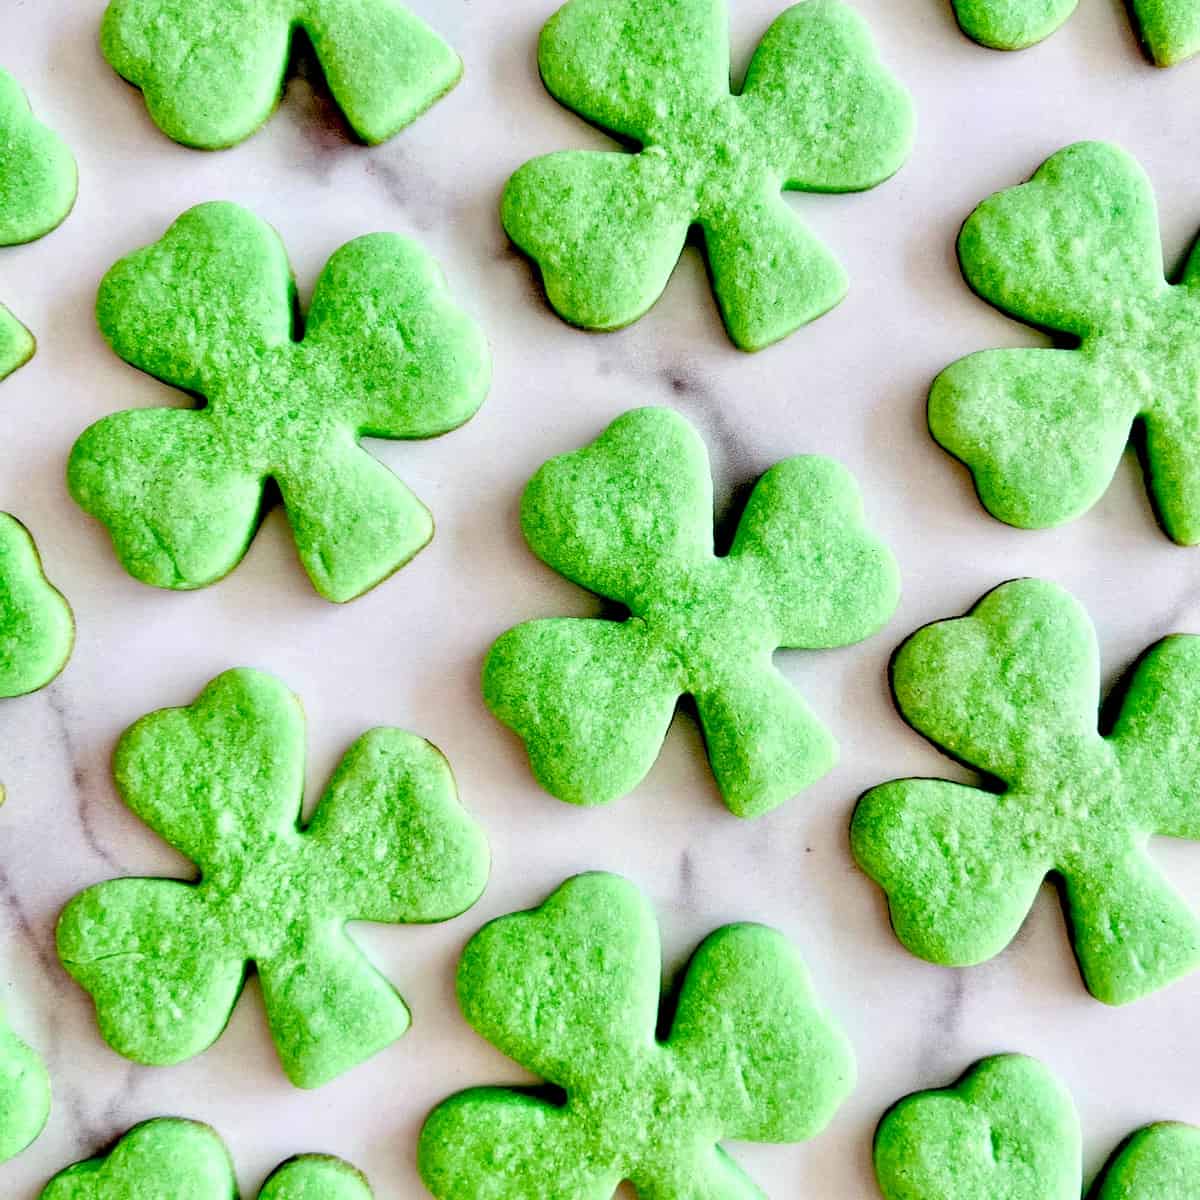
852, 385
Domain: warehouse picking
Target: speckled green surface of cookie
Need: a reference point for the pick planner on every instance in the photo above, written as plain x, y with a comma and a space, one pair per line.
222, 781
212, 70
17, 344
817, 112
1076, 250
1009, 1131
37, 190
1160, 1162
173, 1159
1169, 29
1011, 24
24, 1094
571, 991
209, 309
36, 627
1012, 689
37, 171
631, 518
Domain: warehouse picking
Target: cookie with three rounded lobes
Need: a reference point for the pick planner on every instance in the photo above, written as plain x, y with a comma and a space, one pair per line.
222, 781
37, 190
631, 518
1013, 690
24, 1094
1009, 1131
1077, 251
37, 630
1169, 29
817, 113
571, 991
210, 309
173, 1159
212, 71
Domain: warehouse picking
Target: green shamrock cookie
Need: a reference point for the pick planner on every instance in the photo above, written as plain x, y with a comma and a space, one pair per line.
1076, 250
24, 1094
36, 628
1009, 1131
212, 70
222, 781
817, 113
37, 190
209, 309
630, 517
173, 1159
571, 991
1012, 689
1169, 29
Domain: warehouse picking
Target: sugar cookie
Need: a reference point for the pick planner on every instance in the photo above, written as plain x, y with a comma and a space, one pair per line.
24, 1094
1009, 1131
571, 991
173, 1159
1013, 690
630, 517
37, 189
1077, 250
1169, 29
818, 113
37, 630
385, 353
222, 781
212, 70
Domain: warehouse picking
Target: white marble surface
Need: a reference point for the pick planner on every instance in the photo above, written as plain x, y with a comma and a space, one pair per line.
852, 385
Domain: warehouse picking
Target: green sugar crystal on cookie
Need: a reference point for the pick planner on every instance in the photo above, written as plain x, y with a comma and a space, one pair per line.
36, 627
209, 309
817, 113
1169, 29
1009, 1131
24, 1094
1077, 251
212, 70
1012, 689
631, 518
571, 991
173, 1159
37, 190
222, 781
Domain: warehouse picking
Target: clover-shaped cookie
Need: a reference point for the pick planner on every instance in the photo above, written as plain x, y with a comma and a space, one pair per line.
37, 190
209, 309
630, 517
172, 1159
1009, 1131
36, 627
1076, 250
571, 991
212, 70
1013, 690
817, 113
1169, 29
24, 1094
222, 781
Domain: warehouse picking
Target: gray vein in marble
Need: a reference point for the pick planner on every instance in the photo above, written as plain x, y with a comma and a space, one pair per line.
81, 780
941, 1029
427, 203
42, 947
